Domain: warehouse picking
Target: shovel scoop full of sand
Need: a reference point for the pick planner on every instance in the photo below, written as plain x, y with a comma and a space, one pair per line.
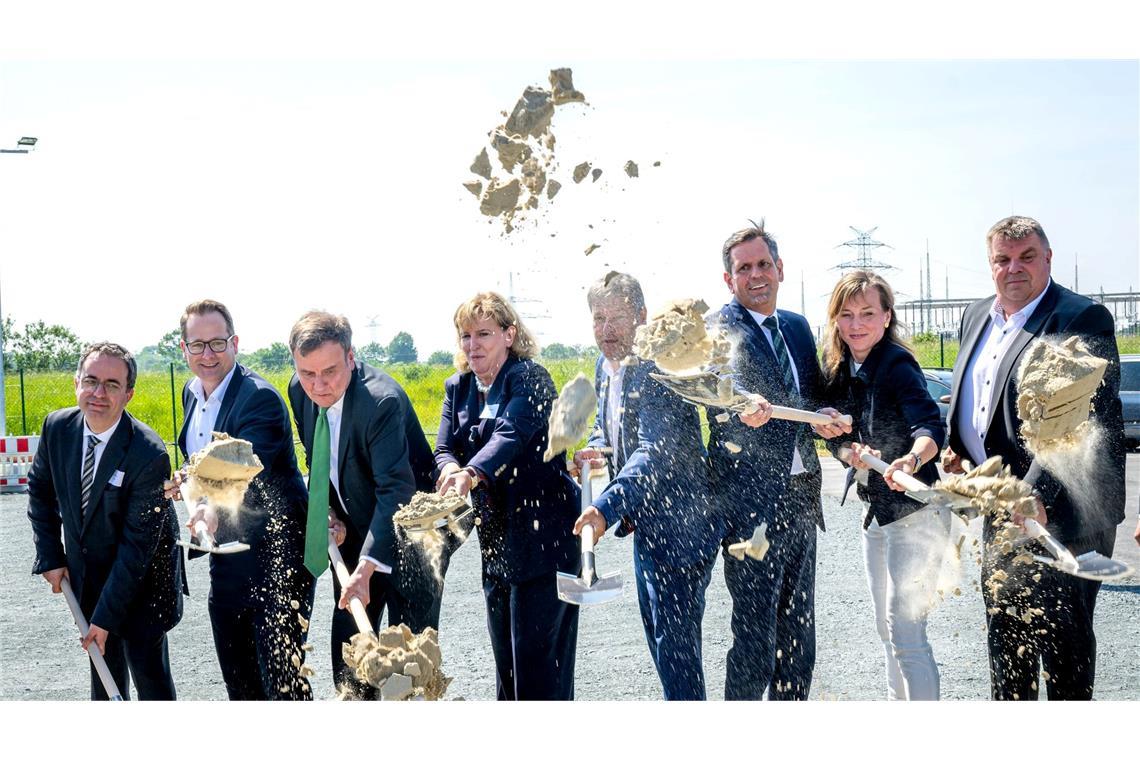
755, 547
997, 494
570, 416
221, 472
677, 340
1055, 385
401, 665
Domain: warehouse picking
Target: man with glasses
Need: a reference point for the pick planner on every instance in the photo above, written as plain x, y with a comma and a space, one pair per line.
261, 599
97, 478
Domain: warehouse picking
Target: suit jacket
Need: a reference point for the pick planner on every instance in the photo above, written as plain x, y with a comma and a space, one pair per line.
754, 479
1060, 312
526, 507
890, 407
661, 482
375, 475
121, 556
253, 410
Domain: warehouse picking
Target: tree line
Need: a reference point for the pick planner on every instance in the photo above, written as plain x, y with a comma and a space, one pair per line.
39, 346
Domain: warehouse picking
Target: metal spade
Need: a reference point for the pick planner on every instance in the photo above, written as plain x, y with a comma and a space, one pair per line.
717, 390
588, 588
206, 542
1092, 566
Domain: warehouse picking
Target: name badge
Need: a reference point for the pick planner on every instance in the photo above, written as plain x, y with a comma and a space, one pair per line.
116, 478
490, 412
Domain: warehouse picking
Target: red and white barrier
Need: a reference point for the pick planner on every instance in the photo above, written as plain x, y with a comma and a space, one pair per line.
16, 453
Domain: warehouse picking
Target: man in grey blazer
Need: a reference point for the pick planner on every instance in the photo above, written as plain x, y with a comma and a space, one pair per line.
983, 422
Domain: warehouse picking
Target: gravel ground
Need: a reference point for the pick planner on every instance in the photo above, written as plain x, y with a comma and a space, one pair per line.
40, 657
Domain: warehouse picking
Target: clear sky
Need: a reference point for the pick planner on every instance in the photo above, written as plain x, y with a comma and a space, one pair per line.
278, 184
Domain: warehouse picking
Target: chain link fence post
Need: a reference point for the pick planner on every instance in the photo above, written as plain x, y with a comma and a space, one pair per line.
174, 417
23, 405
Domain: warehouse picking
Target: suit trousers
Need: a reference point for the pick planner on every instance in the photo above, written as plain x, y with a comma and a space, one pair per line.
672, 603
1060, 640
903, 560
534, 638
773, 604
147, 659
256, 663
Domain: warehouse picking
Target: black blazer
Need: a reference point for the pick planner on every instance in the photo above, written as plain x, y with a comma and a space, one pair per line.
252, 409
1060, 312
526, 507
890, 407
121, 557
376, 478
753, 480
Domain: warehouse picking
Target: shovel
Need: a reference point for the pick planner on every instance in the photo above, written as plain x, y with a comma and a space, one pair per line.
588, 588
206, 542
355, 606
92, 649
1092, 566
710, 389
922, 493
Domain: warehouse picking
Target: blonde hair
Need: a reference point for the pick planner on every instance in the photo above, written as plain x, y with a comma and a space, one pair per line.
494, 307
860, 282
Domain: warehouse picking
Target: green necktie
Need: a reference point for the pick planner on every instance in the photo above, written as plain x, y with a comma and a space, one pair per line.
317, 524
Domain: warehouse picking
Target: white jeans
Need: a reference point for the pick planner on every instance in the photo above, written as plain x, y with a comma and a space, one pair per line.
903, 561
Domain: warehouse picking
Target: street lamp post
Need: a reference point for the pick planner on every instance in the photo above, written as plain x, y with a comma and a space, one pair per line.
23, 145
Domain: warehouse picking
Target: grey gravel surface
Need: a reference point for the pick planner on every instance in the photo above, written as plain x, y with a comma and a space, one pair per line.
40, 657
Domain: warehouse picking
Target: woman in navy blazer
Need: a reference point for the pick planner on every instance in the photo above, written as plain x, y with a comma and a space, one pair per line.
492, 434
870, 372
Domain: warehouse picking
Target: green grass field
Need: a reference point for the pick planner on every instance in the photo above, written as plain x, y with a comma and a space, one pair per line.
155, 405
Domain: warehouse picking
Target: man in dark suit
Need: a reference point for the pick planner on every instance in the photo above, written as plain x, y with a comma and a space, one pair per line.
97, 476
367, 422
660, 488
259, 597
983, 422
768, 472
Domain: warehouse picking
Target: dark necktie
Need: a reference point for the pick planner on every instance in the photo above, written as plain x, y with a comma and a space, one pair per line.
782, 357
317, 522
88, 473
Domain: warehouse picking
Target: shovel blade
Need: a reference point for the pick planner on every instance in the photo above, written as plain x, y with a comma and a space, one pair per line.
572, 589
1092, 566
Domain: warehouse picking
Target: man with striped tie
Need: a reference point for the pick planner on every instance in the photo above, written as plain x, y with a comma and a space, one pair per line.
768, 472
97, 479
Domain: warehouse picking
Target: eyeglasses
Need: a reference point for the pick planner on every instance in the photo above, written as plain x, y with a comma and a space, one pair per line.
217, 345
110, 387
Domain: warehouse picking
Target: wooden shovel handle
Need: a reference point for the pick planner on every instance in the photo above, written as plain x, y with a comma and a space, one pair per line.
101, 668
355, 606
909, 482
802, 415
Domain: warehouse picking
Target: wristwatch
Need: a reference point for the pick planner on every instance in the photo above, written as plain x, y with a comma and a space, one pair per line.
917, 461
476, 478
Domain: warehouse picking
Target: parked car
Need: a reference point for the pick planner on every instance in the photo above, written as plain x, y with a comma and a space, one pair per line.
1130, 398
938, 383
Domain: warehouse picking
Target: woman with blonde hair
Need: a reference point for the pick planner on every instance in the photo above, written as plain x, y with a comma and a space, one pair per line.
492, 434
869, 371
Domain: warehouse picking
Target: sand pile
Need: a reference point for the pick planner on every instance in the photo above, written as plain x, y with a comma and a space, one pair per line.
676, 339
221, 472
570, 416
1055, 384
401, 665
418, 519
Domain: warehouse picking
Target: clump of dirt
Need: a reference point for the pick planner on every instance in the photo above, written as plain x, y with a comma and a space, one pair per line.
677, 340
418, 519
1055, 385
402, 666
570, 415
524, 144
580, 171
220, 473
755, 547
630, 168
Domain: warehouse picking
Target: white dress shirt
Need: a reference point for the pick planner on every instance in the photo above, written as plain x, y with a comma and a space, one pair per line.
797, 461
200, 426
975, 406
335, 414
103, 437
615, 371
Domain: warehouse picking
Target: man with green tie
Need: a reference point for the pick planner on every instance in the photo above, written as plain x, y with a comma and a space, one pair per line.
354, 422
